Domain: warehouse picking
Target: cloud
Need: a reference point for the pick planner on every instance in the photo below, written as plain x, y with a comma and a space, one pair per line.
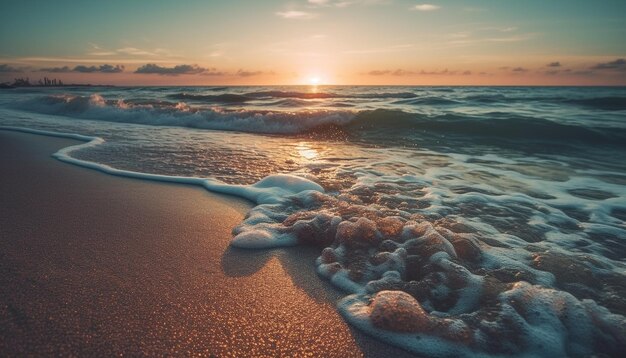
296, 15
152, 68
242, 73
111, 68
617, 65
568, 71
85, 69
344, 3
425, 7
88, 60
101, 53
467, 40
438, 73
554, 64
4, 68
102, 68
213, 72
489, 34
379, 73
135, 51
63, 69
401, 72
129, 51
518, 69
398, 72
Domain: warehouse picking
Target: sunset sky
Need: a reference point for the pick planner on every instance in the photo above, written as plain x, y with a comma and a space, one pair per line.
366, 42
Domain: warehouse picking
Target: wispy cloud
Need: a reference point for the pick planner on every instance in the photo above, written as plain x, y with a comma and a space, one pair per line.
296, 15
135, 51
212, 72
293, 13
128, 51
102, 53
554, 64
99, 51
344, 3
85, 60
244, 73
469, 40
425, 7
152, 68
85, 69
401, 72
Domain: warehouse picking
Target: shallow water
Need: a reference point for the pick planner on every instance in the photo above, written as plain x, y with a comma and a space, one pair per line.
501, 210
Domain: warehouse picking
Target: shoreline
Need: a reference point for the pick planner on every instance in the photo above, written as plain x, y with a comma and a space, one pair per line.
97, 264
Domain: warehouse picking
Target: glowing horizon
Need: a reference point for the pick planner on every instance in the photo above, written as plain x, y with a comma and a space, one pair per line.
315, 42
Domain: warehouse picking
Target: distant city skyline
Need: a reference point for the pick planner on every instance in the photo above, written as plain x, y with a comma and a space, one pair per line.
344, 42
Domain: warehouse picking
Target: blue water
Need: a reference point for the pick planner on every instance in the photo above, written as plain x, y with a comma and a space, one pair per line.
466, 198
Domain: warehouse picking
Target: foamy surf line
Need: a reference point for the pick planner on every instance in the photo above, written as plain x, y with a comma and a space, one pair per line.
430, 287
271, 190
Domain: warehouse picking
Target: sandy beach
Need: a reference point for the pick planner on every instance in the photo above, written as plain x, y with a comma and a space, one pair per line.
92, 264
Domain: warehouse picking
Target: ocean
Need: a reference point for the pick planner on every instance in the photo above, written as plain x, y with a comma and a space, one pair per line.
458, 220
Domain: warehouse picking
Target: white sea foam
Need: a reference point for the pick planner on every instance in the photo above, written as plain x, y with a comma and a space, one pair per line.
270, 190
499, 250
180, 114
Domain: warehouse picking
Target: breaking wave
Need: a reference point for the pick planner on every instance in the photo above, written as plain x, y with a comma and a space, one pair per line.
500, 125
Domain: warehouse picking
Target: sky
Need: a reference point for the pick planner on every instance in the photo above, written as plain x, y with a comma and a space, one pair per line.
288, 42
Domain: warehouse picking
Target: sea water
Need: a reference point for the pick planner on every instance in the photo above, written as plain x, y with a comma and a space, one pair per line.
458, 220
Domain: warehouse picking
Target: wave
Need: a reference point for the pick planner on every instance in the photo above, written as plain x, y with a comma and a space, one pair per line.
495, 124
486, 98
389, 123
265, 95
95, 107
604, 103
222, 98
427, 101
288, 103
610, 103
325, 95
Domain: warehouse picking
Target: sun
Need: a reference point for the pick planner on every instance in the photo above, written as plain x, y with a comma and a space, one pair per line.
314, 81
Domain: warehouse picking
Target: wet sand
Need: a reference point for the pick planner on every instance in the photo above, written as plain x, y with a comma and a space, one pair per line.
92, 264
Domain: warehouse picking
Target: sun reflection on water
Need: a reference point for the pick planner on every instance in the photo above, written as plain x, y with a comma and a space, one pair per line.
306, 151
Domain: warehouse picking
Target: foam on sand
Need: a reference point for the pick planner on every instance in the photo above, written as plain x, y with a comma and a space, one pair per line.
269, 191
444, 269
